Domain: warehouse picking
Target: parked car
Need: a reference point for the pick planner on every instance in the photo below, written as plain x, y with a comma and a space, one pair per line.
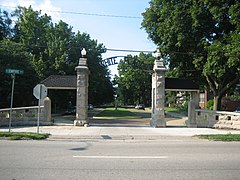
90, 107
140, 106
71, 110
237, 110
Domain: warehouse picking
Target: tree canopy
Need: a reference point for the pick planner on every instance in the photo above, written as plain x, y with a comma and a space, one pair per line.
14, 56
200, 37
5, 22
134, 80
43, 48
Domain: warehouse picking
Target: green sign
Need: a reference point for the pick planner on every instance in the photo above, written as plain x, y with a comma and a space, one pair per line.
14, 71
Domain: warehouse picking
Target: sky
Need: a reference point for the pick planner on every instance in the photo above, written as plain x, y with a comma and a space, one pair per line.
113, 32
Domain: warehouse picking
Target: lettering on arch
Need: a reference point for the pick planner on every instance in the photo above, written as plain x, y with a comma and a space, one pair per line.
110, 61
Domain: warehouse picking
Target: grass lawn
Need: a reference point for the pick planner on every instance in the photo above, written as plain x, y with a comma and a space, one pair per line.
221, 137
172, 109
22, 136
175, 110
120, 113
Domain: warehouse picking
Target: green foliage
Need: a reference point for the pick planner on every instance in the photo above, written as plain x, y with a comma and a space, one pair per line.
119, 113
201, 39
172, 109
15, 56
210, 104
134, 81
5, 23
22, 136
170, 98
234, 96
42, 48
221, 137
183, 108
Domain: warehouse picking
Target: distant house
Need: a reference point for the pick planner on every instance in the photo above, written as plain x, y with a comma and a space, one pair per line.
182, 85
227, 104
60, 82
62, 91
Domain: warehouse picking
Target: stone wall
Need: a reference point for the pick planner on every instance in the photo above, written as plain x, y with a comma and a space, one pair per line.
217, 119
27, 116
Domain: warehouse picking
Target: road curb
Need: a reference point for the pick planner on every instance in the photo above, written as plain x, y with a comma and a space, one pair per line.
117, 138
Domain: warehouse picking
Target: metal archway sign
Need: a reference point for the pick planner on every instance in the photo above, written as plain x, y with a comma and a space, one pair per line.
110, 61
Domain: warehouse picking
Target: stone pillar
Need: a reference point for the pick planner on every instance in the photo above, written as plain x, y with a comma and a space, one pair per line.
191, 114
47, 109
158, 94
82, 92
195, 96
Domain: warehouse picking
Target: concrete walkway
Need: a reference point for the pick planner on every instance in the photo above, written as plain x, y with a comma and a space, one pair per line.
120, 133
180, 119
122, 129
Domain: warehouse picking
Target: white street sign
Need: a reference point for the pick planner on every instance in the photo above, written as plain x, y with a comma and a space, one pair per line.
40, 91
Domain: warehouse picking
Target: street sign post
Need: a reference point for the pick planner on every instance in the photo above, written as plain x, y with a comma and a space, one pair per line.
40, 92
13, 73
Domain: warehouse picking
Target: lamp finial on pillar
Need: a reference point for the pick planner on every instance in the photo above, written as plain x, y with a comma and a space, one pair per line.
83, 59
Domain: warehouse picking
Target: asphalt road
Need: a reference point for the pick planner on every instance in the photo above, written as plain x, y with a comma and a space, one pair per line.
165, 159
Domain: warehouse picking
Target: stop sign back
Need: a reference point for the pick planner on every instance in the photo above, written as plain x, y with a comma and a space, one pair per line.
40, 91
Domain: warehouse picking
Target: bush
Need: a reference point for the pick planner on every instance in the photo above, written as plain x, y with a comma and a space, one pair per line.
22, 135
210, 104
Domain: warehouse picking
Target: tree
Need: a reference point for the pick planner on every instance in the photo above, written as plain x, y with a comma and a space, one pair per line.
200, 37
100, 85
42, 48
15, 56
60, 40
55, 49
134, 81
31, 30
5, 25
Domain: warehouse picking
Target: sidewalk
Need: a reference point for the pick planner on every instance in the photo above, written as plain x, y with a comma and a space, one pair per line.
122, 129
120, 133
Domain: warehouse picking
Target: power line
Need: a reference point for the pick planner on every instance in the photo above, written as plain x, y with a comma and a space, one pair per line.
117, 50
86, 14
93, 14
129, 50
75, 47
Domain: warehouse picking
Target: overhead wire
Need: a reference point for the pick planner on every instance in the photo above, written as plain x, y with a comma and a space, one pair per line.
85, 14
129, 50
77, 47
118, 50
105, 15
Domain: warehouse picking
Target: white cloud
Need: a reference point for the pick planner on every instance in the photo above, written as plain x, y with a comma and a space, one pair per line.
45, 6
9, 4
25, 3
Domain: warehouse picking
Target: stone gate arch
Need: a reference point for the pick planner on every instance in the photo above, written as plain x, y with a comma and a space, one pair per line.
160, 84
